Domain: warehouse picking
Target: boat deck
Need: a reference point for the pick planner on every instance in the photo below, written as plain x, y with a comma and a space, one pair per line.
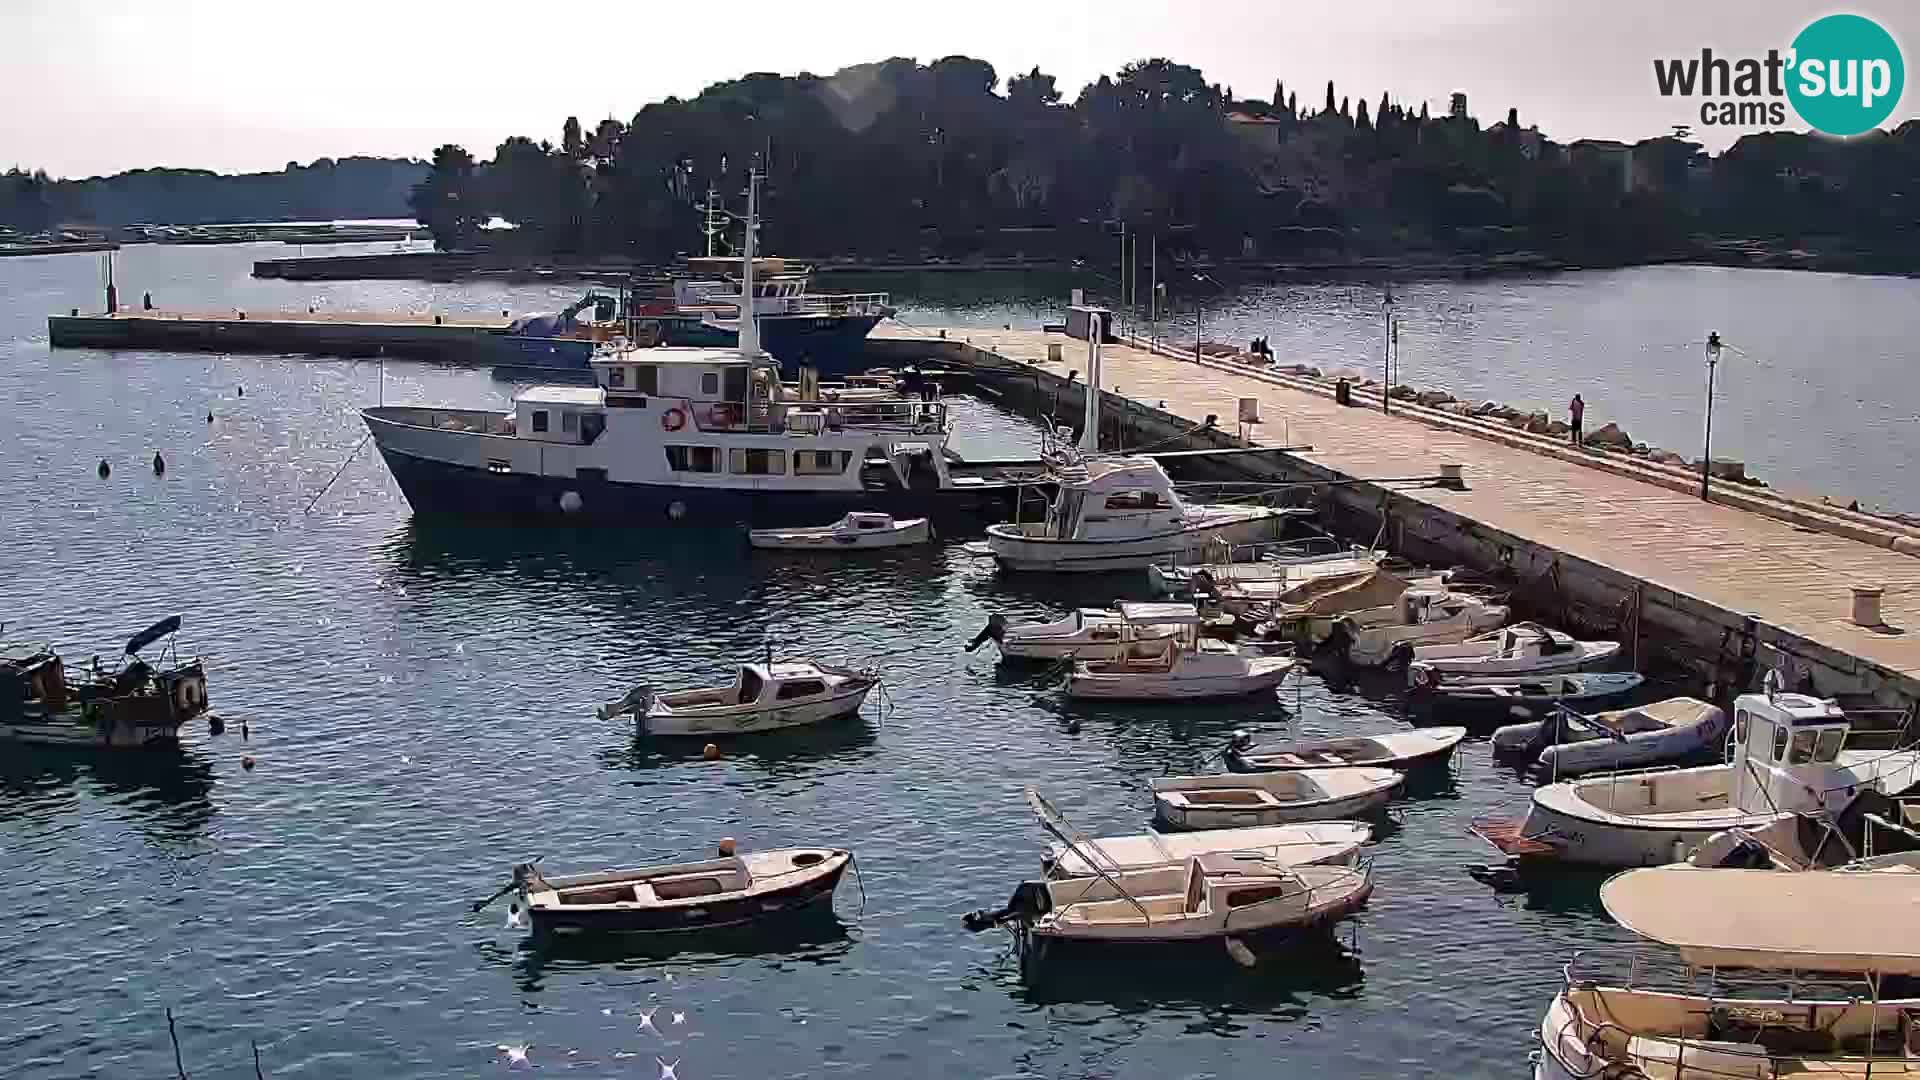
1607, 510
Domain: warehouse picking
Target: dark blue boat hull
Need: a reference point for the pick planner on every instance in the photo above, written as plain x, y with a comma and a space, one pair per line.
834, 345
439, 488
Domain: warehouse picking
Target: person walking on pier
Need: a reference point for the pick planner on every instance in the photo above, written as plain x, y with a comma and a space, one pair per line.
1577, 409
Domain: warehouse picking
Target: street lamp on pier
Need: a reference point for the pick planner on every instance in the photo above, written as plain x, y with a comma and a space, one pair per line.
1714, 345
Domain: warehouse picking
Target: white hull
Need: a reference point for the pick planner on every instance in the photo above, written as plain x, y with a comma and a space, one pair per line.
1261, 674
1706, 731
1238, 800
1315, 896
1589, 654
1241, 817
1310, 844
747, 719
1020, 548
840, 537
1077, 649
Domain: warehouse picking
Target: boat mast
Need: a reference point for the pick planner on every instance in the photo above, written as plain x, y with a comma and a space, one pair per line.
749, 324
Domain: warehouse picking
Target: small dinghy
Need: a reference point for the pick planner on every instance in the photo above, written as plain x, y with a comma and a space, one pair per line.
1401, 750
1087, 634
856, 532
1215, 896
680, 898
1523, 695
1520, 649
1568, 742
1235, 800
764, 697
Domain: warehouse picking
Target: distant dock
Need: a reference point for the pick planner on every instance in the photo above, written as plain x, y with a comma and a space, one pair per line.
411, 336
1752, 580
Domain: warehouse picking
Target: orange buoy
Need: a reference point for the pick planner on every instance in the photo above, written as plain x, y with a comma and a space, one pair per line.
247, 763
711, 752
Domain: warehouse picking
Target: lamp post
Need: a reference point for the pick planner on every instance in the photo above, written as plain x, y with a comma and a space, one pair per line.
1714, 346
1199, 311
1386, 354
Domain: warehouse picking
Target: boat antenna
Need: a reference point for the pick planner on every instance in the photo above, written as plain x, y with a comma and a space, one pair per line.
749, 324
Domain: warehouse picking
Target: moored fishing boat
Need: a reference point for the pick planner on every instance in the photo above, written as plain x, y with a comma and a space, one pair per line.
1513, 696
1401, 750
1185, 667
1303, 844
1086, 634
1423, 616
1779, 975
857, 531
681, 898
1520, 649
1789, 756
1233, 800
763, 697
137, 705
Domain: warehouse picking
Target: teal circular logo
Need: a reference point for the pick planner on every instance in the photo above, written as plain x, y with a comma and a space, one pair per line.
1847, 75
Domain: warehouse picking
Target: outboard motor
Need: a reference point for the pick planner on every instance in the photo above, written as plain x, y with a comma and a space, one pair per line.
996, 630
1400, 657
1030, 901
1238, 744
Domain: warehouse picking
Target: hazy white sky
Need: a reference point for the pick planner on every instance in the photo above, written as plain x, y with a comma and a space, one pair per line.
96, 86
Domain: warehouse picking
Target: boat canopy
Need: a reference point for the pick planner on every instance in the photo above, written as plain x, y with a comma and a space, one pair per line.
168, 625
1819, 920
1160, 614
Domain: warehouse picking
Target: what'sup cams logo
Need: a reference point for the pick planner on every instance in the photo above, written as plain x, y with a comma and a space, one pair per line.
1843, 75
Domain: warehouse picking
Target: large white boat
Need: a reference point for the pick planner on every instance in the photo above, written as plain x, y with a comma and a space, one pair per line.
684, 435
1789, 756
1777, 975
1122, 513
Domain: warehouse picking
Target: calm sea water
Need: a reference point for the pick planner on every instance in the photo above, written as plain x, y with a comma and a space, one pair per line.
419, 703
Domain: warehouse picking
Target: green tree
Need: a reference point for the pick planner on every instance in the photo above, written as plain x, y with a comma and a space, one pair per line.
448, 200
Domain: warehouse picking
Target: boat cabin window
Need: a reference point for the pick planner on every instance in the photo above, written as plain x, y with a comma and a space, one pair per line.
736, 384
646, 378
869, 523
616, 378
592, 425
1133, 500
710, 383
800, 688
750, 686
539, 419
1779, 742
1740, 728
569, 422
1802, 746
693, 458
759, 462
821, 462
1831, 740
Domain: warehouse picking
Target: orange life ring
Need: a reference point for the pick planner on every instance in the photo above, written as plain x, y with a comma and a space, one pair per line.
674, 419
720, 414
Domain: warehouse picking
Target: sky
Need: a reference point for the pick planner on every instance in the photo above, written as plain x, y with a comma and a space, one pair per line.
105, 85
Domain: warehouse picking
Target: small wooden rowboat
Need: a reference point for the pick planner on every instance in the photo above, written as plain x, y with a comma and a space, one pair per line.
681, 898
857, 531
1235, 800
1402, 750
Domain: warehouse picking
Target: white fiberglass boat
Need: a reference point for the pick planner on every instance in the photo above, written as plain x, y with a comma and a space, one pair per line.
1423, 616
1401, 750
1185, 667
763, 697
1235, 800
1123, 513
1568, 742
1520, 649
1779, 975
1087, 634
857, 531
1273, 566
1789, 756
1309, 843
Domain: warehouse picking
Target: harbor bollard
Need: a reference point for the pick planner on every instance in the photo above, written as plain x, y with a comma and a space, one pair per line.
1866, 605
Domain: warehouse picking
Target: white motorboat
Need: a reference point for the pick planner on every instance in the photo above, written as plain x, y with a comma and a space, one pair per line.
1185, 667
1789, 756
1223, 896
1235, 800
1520, 649
1423, 616
1569, 743
1528, 695
1305, 611
1274, 565
682, 897
857, 531
1306, 844
1122, 513
1794, 967
1087, 634
763, 697
1800, 842
1401, 750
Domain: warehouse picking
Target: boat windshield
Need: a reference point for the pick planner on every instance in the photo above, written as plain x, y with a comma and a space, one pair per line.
750, 686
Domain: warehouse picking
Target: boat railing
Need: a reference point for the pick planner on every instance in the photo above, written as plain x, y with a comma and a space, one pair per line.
839, 304
477, 421
1344, 883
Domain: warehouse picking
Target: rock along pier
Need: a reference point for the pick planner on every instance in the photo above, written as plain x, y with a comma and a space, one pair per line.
1750, 581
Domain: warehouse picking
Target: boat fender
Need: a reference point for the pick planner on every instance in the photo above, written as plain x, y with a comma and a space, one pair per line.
995, 630
1424, 677
676, 510
188, 696
674, 419
570, 502
1240, 741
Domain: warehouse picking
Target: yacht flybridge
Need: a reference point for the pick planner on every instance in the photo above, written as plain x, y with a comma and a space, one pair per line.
683, 434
